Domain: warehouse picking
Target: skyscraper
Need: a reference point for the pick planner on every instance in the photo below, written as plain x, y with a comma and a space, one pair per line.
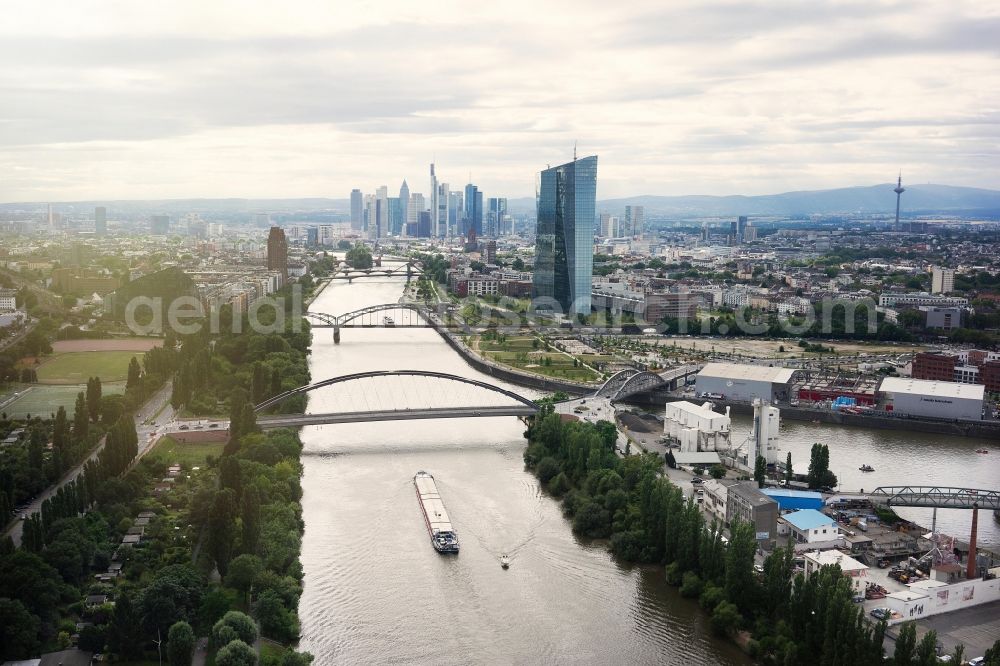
455, 212
404, 201
357, 209
635, 219
444, 200
434, 203
495, 214
381, 212
942, 280
564, 246
473, 210
277, 253
100, 221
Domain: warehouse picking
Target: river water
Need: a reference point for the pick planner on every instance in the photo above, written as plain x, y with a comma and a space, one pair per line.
375, 590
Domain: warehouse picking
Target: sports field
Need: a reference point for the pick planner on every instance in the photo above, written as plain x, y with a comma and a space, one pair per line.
45, 400
77, 367
169, 450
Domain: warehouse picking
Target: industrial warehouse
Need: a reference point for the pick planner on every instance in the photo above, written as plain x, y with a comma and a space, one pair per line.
941, 400
743, 383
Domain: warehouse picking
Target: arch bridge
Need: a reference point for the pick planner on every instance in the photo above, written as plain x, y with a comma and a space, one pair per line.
423, 389
385, 315
627, 383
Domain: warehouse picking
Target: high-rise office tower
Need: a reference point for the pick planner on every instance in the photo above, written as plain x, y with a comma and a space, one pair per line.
749, 233
404, 202
417, 206
100, 221
495, 214
312, 236
368, 219
434, 203
564, 246
382, 211
357, 209
456, 212
635, 220
736, 230
443, 201
473, 210
424, 224
899, 189
159, 225
277, 253
942, 280
397, 220
610, 226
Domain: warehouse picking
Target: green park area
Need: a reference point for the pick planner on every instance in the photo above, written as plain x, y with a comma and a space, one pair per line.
77, 367
38, 400
528, 353
193, 454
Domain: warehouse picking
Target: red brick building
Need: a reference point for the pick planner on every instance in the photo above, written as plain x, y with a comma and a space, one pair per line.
936, 367
989, 375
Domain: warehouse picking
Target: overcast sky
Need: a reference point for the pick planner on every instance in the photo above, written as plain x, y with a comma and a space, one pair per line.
131, 100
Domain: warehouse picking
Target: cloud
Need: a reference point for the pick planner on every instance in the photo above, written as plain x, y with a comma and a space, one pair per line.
185, 100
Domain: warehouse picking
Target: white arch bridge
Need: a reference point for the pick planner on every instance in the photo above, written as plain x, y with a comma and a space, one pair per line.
396, 395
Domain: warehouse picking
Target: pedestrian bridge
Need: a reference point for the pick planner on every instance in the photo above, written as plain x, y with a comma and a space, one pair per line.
396, 395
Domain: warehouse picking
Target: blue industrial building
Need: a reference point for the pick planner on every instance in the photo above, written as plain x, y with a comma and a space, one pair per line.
794, 500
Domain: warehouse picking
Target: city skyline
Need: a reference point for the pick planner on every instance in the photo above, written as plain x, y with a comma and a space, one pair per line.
183, 101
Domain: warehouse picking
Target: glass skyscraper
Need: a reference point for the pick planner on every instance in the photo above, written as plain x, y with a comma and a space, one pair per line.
564, 245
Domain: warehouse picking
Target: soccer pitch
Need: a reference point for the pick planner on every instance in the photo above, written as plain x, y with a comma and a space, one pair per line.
44, 401
78, 367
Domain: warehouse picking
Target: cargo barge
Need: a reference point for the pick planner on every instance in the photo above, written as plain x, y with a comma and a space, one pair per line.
439, 528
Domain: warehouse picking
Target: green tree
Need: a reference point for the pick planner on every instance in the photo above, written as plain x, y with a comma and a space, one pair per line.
94, 398
18, 631
180, 644
359, 257
81, 418
241, 623
126, 635
726, 618
134, 376
251, 519
275, 620
717, 471
760, 471
243, 571
927, 649
906, 646
788, 468
222, 529
236, 653
740, 581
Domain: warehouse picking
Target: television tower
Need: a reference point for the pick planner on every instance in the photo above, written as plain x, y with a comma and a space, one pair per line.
898, 190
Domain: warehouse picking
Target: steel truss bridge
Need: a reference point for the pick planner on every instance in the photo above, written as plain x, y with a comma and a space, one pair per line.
407, 270
628, 383
385, 315
517, 406
936, 497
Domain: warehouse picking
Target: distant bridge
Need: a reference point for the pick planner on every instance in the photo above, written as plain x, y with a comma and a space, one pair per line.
385, 315
407, 270
628, 383
936, 497
517, 406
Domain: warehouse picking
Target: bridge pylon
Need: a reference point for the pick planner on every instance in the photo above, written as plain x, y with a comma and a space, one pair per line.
336, 335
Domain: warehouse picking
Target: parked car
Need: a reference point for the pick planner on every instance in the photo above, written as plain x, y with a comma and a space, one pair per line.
880, 613
696, 480
183, 427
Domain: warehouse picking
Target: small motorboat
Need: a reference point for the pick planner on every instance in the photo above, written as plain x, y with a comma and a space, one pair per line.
866, 468
505, 561
982, 450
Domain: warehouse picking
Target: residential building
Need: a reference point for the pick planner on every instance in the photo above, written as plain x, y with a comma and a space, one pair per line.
942, 280
717, 496
854, 570
8, 300
564, 245
277, 253
943, 318
898, 299
159, 225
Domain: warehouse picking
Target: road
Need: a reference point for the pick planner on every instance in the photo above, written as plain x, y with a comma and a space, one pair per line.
20, 334
147, 431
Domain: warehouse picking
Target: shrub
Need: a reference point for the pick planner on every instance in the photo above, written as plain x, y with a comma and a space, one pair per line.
239, 622
236, 653
690, 585
726, 618
559, 484
673, 574
711, 596
547, 469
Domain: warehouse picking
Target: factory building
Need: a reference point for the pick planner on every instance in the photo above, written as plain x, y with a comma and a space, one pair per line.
940, 400
731, 381
696, 427
794, 500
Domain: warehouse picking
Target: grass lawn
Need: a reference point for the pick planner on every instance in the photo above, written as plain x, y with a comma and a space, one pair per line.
45, 400
169, 450
518, 352
77, 367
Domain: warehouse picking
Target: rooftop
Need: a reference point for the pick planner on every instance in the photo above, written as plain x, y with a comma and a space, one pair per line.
755, 373
825, 557
696, 457
807, 519
927, 387
786, 492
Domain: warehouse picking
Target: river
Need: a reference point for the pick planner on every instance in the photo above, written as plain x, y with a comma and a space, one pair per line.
375, 590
